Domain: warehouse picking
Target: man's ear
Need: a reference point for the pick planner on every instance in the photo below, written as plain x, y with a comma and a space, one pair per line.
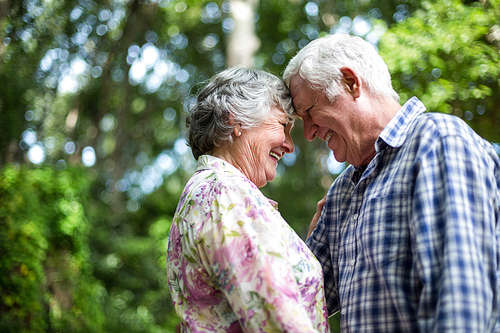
351, 81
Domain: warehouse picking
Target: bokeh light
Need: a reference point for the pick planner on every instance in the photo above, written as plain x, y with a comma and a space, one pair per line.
36, 154
335, 167
88, 156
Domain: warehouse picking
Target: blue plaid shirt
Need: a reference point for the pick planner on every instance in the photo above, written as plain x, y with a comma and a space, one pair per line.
411, 244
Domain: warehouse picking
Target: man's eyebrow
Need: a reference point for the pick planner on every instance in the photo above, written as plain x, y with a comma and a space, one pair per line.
296, 106
303, 112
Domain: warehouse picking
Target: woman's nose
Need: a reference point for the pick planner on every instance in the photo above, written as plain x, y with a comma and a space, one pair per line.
288, 143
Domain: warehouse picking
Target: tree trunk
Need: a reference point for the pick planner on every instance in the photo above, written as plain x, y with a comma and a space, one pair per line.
243, 42
4, 8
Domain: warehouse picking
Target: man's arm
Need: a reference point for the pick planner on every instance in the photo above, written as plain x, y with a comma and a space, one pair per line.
454, 227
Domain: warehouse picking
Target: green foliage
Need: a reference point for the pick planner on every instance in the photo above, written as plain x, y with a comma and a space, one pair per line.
24, 40
45, 269
53, 278
139, 301
129, 253
447, 54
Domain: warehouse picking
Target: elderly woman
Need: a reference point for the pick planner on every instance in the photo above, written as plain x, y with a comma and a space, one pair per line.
233, 263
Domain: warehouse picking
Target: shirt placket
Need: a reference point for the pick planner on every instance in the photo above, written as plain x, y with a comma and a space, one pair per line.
348, 256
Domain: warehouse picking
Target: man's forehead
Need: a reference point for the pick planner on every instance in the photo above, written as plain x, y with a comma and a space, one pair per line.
295, 83
298, 88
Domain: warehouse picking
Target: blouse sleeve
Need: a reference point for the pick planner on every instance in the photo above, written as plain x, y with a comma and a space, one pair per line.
318, 243
244, 251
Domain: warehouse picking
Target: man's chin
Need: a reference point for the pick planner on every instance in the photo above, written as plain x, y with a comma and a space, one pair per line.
340, 159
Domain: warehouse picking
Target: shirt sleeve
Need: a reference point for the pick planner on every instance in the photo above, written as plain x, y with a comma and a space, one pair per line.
247, 257
455, 228
318, 243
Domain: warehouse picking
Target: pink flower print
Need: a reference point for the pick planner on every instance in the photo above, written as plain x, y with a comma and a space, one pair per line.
223, 277
182, 200
309, 290
235, 328
217, 164
273, 203
236, 259
198, 287
250, 210
198, 195
245, 257
174, 245
281, 280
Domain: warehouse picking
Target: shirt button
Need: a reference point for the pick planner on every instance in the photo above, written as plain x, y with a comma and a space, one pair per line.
342, 312
352, 262
355, 216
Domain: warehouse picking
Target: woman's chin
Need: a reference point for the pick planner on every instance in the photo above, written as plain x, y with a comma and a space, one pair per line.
270, 179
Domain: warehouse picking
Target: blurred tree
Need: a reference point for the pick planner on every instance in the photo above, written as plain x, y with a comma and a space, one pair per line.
453, 63
242, 41
46, 278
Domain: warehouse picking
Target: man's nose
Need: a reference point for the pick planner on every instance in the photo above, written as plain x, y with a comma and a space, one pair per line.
310, 129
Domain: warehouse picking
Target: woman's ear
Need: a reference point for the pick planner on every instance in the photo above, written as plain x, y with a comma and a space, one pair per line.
351, 81
237, 127
237, 130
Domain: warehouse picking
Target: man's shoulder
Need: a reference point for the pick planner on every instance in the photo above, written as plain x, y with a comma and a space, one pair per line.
414, 119
433, 126
446, 124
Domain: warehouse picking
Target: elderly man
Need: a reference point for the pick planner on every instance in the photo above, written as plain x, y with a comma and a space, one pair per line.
409, 237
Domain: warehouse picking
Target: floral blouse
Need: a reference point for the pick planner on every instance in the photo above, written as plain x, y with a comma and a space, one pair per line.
234, 264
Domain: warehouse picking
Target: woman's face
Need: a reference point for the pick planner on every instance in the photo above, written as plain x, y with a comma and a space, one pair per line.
259, 149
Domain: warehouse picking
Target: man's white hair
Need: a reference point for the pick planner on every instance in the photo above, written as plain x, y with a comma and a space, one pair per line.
319, 64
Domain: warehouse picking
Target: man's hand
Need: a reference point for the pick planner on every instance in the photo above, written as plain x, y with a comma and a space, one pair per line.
316, 216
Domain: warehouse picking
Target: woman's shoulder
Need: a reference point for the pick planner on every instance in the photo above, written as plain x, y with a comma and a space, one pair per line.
221, 173
214, 184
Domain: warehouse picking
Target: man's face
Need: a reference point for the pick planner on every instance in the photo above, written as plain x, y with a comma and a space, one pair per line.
336, 122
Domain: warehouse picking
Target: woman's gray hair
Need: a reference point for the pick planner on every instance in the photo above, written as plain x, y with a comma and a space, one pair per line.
245, 95
319, 64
